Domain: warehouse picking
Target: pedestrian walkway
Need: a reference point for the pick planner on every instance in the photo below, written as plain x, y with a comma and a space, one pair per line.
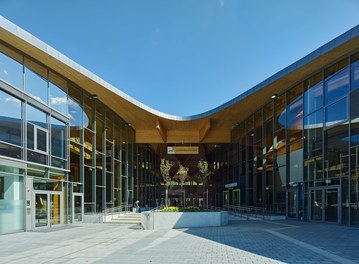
239, 242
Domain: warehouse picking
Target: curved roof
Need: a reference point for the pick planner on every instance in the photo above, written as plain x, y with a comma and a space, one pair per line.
153, 126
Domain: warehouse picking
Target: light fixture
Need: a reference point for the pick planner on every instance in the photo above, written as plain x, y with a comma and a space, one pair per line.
93, 97
274, 96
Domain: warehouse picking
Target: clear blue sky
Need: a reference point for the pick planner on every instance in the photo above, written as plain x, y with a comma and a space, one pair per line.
184, 57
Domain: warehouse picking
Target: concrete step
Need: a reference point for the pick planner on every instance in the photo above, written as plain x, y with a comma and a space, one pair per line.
133, 218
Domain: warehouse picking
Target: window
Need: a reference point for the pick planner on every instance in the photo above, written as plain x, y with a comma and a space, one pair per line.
11, 71
37, 138
355, 71
337, 112
37, 130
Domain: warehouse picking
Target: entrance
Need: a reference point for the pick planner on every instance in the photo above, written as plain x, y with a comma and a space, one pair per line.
226, 199
47, 209
78, 208
325, 204
292, 203
236, 198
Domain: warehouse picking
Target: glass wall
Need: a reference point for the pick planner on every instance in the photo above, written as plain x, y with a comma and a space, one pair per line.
65, 135
302, 161
11, 200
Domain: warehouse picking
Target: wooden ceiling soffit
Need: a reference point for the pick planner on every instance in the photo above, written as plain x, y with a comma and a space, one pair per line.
204, 129
161, 130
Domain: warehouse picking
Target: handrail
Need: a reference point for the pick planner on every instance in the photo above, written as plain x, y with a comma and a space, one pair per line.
123, 208
247, 211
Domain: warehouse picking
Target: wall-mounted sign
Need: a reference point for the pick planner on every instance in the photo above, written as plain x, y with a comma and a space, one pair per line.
182, 150
231, 185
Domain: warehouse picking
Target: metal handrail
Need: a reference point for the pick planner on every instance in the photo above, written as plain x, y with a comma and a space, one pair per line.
123, 208
247, 211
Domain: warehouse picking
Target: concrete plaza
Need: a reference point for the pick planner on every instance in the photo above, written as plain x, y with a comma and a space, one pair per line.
241, 241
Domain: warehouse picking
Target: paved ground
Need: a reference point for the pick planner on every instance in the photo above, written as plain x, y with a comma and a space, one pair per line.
239, 242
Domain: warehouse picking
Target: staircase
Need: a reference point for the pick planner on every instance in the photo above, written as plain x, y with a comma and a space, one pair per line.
126, 218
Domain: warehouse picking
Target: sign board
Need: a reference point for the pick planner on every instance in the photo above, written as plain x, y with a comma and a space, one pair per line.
231, 185
182, 150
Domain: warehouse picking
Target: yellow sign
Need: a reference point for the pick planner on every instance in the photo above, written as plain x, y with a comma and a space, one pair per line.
183, 150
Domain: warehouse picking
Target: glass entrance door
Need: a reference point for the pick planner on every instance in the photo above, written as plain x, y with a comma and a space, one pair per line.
226, 199
78, 208
331, 205
41, 210
325, 204
55, 209
292, 204
236, 198
47, 209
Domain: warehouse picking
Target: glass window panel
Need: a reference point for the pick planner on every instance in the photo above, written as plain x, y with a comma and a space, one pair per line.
59, 163
313, 98
99, 135
354, 105
336, 151
10, 151
36, 157
109, 132
89, 111
75, 162
355, 132
313, 127
36, 85
259, 125
75, 114
36, 116
10, 119
336, 85
11, 201
58, 138
281, 112
355, 71
88, 147
295, 119
11, 71
296, 162
41, 140
337, 112
58, 99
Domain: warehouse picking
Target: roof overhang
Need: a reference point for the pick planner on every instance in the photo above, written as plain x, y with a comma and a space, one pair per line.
155, 127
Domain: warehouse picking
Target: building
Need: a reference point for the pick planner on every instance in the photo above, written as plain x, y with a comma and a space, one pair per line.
72, 144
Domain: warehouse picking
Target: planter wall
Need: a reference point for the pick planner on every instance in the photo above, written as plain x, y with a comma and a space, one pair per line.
159, 220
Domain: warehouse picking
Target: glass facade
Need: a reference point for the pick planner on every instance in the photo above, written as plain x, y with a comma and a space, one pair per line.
74, 148
65, 155
301, 154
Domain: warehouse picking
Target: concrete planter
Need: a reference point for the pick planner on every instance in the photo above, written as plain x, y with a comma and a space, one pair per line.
166, 220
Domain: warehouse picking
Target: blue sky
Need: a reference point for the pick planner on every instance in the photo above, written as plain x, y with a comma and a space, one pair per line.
184, 57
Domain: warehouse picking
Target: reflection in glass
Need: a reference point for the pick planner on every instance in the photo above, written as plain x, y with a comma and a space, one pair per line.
336, 85
35, 85
337, 112
11, 71
296, 162
10, 119
58, 99
336, 151
58, 138
41, 205
313, 96
313, 126
355, 72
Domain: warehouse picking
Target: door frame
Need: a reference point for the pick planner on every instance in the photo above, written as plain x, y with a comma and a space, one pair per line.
74, 207
49, 201
324, 201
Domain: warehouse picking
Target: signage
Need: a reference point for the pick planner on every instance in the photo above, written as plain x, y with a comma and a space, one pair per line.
182, 150
231, 185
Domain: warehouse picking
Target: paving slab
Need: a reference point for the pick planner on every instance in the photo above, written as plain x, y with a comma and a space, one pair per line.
241, 241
